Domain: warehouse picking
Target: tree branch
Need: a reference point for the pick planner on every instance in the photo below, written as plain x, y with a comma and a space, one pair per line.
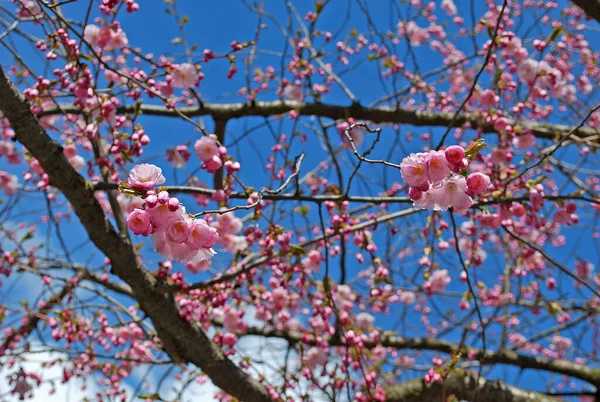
463, 387
590, 7
339, 112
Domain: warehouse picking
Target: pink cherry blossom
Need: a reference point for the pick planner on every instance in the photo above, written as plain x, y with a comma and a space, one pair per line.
477, 183
455, 154
184, 75
145, 176
438, 281
524, 141
449, 7
489, 98
293, 92
437, 166
452, 193
414, 170
206, 148
138, 222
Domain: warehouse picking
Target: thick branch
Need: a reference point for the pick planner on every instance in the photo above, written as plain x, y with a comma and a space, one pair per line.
590, 7
182, 341
357, 111
463, 387
586, 373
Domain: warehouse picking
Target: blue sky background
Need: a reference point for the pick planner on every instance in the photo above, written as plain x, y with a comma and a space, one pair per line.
214, 25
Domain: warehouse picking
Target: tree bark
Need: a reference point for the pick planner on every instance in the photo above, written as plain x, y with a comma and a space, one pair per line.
463, 386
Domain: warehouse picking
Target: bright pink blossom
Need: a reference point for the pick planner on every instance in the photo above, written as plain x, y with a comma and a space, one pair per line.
477, 183
138, 222
414, 170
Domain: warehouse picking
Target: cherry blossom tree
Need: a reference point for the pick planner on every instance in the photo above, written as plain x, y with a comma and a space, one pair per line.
334, 201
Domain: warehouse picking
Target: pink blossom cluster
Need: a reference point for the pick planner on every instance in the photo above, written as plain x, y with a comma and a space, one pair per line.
107, 36
176, 235
212, 154
435, 182
228, 226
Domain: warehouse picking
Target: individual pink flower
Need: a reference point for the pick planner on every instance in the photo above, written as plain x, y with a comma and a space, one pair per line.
312, 262
200, 262
138, 222
524, 141
452, 193
171, 250
407, 297
91, 34
437, 166
213, 164
199, 234
314, 357
177, 231
145, 176
528, 70
477, 183
426, 202
489, 98
449, 7
438, 281
562, 216
414, 170
206, 147
293, 92
184, 75
77, 162
364, 320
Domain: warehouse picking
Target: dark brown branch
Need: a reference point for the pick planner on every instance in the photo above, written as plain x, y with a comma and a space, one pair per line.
339, 112
590, 7
463, 386
182, 341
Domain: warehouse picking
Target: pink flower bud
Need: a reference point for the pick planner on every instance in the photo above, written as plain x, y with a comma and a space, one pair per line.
455, 154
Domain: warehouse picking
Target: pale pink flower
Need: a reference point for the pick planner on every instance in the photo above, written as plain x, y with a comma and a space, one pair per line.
206, 147
477, 183
449, 7
426, 202
91, 34
437, 166
452, 193
438, 281
77, 162
407, 297
312, 262
315, 357
200, 262
171, 250
234, 244
524, 141
162, 216
528, 70
416, 35
117, 38
184, 75
138, 222
414, 170
364, 320
293, 92
145, 176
